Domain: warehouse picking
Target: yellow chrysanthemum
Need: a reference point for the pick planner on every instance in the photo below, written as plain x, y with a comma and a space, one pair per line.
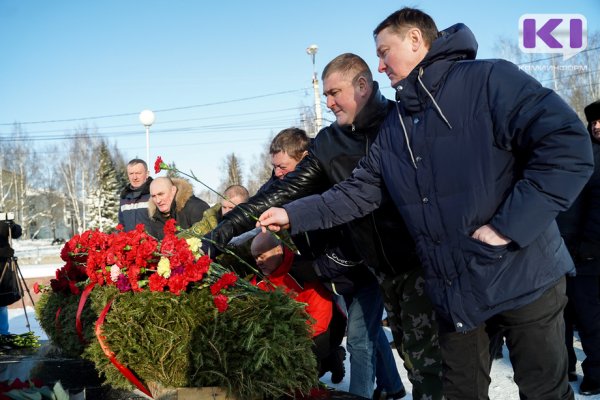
164, 267
195, 244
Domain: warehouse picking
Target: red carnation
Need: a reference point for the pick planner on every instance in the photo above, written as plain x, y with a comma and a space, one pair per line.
220, 301
224, 282
73, 288
158, 164
157, 283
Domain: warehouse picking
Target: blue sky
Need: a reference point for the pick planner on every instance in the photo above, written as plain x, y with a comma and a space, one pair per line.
225, 75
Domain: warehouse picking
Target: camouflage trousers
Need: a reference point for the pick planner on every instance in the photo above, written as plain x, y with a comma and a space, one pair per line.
415, 330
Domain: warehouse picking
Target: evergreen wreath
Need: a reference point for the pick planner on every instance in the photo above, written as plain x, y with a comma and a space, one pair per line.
170, 317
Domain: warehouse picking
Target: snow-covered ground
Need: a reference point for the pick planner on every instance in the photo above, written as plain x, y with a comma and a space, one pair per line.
36, 250
501, 388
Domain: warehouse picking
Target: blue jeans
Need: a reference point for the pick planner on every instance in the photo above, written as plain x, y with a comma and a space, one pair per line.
370, 352
4, 320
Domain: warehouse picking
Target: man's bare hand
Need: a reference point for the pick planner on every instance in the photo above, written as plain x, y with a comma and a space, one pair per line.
274, 219
487, 234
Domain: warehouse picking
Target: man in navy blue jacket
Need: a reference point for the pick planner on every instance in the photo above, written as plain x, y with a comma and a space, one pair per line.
133, 203
479, 159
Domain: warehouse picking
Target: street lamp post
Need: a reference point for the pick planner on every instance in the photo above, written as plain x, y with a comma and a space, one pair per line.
312, 50
147, 119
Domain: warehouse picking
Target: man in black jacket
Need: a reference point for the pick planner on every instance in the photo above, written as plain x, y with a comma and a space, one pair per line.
580, 228
133, 205
380, 238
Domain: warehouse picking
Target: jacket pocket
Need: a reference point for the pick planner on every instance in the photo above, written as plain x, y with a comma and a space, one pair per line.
486, 267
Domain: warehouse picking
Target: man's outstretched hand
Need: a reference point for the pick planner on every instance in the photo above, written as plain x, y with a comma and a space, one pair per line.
274, 220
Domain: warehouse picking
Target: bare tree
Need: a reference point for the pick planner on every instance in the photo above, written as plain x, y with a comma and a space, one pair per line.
52, 200
233, 172
20, 169
576, 80
78, 172
261, 168
308, 120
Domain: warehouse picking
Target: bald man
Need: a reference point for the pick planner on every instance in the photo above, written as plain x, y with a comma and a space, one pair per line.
173, 198
234, 195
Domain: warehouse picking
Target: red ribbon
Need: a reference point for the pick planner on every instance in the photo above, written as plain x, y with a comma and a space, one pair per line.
111, 356
84, 296
57, 321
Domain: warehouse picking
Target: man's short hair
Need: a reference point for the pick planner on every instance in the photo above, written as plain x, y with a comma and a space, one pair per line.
406, 18
237, 191
136, 161
293, 141
349, 65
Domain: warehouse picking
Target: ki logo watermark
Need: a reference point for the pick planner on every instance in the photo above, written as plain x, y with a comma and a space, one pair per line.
565, 34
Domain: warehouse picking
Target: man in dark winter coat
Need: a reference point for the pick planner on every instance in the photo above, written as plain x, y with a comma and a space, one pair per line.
173, 198
479, 159
580, 228
133, 205
380, 239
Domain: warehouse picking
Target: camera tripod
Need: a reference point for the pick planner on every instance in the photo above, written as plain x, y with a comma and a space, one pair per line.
13, 266
15, 273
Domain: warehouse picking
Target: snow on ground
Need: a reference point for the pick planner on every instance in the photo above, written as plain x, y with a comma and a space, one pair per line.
502, 386
35, 248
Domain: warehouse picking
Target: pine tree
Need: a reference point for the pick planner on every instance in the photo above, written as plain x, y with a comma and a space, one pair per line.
103, 202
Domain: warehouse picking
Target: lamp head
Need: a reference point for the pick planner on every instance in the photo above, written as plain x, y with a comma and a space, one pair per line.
147, 117
312, 49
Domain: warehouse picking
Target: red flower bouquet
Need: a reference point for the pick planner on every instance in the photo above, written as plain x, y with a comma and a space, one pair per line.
134, 261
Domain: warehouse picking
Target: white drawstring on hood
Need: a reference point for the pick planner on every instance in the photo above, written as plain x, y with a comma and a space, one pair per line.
410, 152
439, 110
437, 107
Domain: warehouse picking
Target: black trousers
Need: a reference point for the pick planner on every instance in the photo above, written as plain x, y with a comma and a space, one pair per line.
583, 292
535, 340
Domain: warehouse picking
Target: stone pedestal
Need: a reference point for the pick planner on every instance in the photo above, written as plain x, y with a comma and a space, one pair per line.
206, 393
